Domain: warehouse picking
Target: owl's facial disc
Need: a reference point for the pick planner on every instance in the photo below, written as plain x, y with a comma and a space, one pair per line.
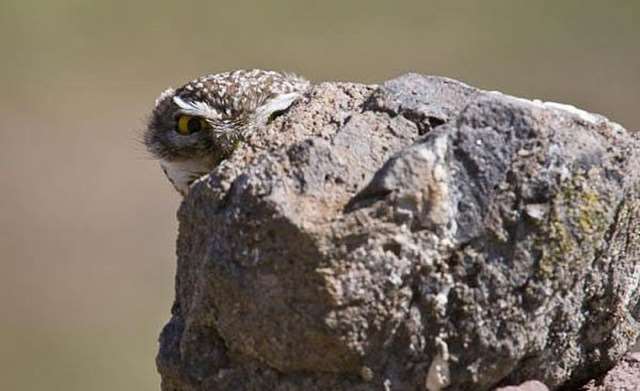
195, 127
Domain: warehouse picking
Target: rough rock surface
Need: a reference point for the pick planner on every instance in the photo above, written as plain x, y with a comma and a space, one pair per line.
532, 385
625, 376
423, 234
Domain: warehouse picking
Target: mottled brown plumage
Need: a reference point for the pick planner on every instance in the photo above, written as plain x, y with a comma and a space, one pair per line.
194, 127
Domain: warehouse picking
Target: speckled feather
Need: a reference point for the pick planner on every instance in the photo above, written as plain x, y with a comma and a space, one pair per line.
233, 104
238, 93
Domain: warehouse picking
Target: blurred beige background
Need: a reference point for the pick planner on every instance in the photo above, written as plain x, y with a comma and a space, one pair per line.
87, 220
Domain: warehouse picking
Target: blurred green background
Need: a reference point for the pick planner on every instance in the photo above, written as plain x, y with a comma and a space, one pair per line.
88, 226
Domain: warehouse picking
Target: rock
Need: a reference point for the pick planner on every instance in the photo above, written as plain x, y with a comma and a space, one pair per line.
625, 376
423, 234
532, 385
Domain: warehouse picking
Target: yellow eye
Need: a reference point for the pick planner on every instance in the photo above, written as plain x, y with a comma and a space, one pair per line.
188, 124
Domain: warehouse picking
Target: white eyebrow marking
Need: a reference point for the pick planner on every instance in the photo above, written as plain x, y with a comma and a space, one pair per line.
196, 108
279, 103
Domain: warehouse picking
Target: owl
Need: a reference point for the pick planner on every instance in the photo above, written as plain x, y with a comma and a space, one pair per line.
193, 128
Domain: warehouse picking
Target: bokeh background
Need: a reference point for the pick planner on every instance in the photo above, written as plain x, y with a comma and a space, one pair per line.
87, 220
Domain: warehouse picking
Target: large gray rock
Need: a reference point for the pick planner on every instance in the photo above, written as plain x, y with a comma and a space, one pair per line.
419, 235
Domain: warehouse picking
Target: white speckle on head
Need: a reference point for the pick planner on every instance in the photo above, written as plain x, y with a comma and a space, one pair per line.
168, 92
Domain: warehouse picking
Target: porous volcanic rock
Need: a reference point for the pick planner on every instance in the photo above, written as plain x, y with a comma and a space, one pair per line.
418, 235
625, 376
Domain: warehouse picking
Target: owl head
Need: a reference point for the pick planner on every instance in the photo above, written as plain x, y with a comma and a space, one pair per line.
192, 128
